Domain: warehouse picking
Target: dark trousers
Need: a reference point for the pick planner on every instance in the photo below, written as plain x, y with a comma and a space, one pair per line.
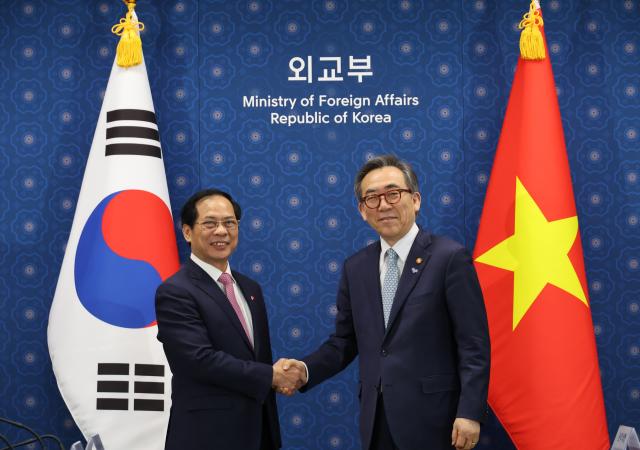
381, 439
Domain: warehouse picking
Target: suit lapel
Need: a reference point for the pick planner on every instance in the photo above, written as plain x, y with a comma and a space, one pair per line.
256, 315
372, 288
410, 274
205, 283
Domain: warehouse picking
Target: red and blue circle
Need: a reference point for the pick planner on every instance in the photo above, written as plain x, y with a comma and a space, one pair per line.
126, 249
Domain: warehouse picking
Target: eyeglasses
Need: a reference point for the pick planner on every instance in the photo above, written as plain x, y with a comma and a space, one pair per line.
229, 224
392, 196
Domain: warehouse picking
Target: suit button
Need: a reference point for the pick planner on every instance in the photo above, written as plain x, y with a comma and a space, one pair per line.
384, 352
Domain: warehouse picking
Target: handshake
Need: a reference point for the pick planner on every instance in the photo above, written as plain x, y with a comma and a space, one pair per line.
289, 375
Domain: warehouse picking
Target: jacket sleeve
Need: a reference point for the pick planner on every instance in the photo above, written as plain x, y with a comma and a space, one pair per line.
190, 351
341, 348
471, 333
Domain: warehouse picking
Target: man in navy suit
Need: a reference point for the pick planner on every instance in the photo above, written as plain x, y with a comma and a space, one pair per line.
213, 325
411, 307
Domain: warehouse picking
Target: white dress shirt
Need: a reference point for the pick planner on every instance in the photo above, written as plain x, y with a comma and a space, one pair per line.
402, 248
215, 273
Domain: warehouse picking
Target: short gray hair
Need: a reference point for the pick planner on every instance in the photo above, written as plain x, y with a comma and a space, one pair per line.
381, 161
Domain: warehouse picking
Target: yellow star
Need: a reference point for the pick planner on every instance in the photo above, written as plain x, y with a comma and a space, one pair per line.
537, 254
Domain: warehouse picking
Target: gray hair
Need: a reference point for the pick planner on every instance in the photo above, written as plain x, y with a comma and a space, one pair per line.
381, 161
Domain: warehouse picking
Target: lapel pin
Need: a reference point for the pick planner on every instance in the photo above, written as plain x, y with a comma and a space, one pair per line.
252, 297
414, 270
418, 260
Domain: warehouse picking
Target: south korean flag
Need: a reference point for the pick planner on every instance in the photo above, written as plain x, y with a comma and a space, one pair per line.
109, 366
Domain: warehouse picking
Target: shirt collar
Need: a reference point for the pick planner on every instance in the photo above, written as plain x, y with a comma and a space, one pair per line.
211, 270
403, 246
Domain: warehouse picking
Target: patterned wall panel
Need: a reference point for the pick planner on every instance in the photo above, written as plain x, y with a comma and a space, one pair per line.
295, 182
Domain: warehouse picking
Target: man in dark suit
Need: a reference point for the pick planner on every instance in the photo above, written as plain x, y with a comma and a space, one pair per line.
410, 306
213, 325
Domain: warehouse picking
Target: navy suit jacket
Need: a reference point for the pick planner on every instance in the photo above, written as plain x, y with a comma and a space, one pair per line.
221, 386
431, 363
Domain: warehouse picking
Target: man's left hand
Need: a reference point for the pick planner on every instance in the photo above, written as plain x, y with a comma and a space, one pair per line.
465, 433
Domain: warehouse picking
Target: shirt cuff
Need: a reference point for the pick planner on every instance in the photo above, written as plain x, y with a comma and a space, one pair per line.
306, 370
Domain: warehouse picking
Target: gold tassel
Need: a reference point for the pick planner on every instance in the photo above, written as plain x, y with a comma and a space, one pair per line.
531, 42
129, 51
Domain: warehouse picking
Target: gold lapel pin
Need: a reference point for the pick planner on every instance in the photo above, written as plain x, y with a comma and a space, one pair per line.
418, 260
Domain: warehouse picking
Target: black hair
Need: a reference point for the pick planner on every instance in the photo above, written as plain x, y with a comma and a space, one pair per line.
189, 213
381, 161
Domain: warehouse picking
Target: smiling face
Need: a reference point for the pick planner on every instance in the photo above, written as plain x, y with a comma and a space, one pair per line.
212, 246
391, 222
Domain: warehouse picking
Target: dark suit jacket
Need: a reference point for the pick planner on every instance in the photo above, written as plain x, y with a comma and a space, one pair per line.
221, 387
432, 362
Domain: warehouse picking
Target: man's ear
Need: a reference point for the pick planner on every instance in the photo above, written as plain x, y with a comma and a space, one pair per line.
186, 233
362, 210
417, 201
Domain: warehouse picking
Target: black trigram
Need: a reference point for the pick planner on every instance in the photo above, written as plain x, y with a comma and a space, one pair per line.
125, 139
114, 379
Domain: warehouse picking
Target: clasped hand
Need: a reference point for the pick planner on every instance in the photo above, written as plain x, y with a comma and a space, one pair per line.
289, 375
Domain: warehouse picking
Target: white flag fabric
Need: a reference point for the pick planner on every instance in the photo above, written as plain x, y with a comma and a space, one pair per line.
109, 366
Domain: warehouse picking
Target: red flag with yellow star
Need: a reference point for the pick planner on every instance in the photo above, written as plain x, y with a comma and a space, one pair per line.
545, 383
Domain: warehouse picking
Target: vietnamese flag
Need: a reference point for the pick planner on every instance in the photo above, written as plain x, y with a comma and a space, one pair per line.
545, 383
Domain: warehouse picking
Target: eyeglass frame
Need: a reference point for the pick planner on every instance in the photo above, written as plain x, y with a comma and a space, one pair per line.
217, 223
363, 200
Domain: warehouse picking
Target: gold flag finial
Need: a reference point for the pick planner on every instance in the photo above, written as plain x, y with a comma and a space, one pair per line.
531, 42
129, 51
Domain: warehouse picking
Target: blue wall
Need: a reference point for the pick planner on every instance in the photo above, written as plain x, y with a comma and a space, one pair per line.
295, 182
